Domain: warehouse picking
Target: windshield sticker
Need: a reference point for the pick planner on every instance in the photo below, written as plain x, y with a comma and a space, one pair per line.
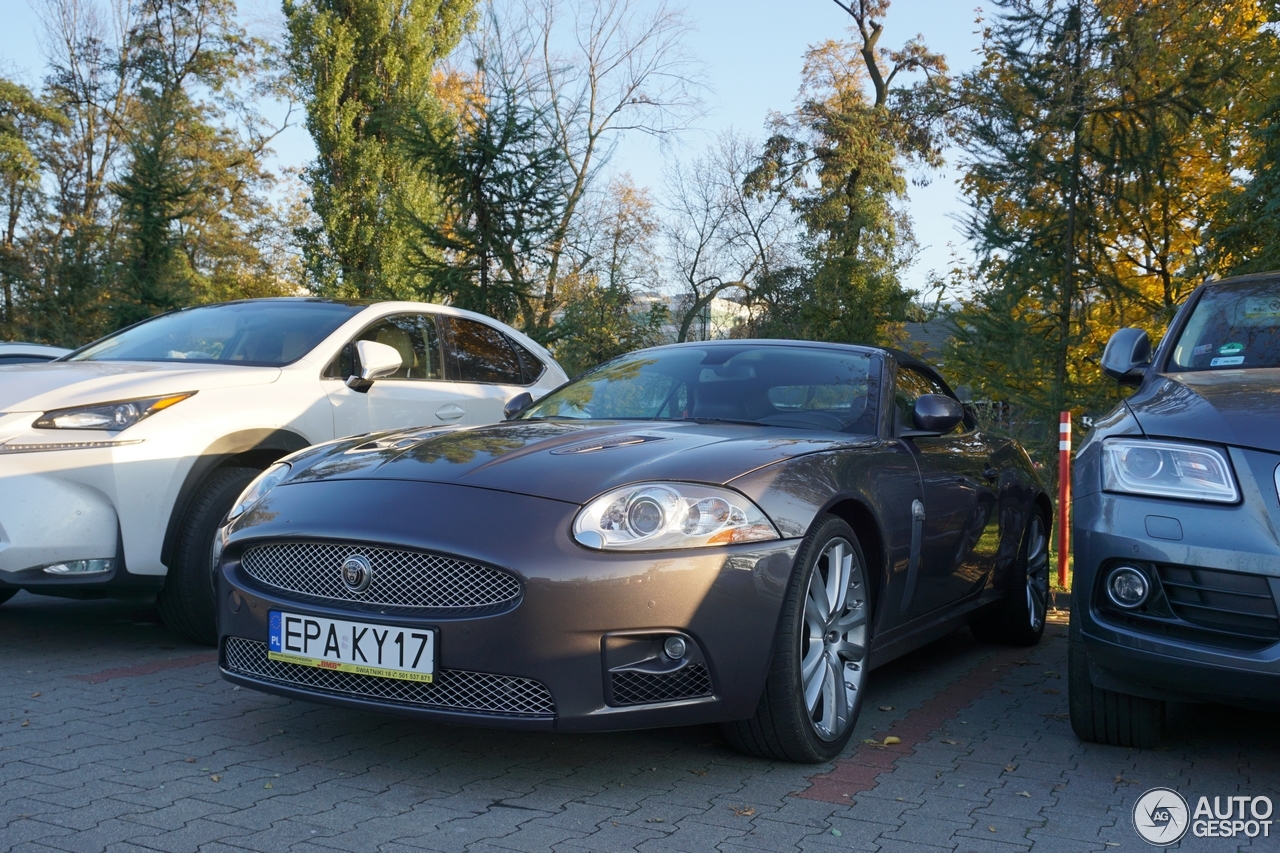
1227, 362
1202, 349
1231, 349
1262, 307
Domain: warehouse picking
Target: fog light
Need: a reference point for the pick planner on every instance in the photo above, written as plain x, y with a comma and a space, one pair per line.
1127, 587
80, 567
675, 647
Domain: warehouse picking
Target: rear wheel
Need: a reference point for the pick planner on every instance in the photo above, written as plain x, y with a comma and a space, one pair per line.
187, 602
1019, 619
1106, 716
813, 692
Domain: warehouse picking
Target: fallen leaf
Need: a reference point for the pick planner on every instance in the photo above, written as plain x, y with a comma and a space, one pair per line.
34, 695
871, 741
743, 811
698, 772
952, 742
991, 829
836, 833
1024, 793
959, 784
886, 707
215, 778
189, 760
1052, 691
26, 722
1120, 780
1051, 673
891, 740
268, 785
655, 820
1113, 843
1009, 768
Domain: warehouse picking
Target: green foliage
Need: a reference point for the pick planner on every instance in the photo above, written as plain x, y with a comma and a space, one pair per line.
364, 67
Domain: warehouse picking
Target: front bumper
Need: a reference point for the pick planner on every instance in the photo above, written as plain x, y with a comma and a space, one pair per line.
1210, 631
578, 615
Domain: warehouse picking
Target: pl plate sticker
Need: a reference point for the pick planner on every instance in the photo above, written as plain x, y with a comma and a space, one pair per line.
1202, 349
1230, 349
1229, 361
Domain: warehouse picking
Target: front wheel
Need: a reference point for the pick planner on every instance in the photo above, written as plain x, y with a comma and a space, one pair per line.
1106, 716
187, 602
818, 674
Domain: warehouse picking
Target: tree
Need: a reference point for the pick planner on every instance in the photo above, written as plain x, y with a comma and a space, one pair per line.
840, 159
501, 179
363, 67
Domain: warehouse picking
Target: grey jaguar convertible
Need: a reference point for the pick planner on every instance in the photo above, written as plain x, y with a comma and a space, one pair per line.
732, 532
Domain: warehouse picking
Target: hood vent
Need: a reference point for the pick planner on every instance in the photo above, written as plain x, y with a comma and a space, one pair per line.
607, 444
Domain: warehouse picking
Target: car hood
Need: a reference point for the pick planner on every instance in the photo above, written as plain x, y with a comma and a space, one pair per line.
572, 462
56, 385
1237, 407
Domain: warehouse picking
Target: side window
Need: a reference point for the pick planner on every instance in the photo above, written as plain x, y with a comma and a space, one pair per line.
911, 386
414, 336
531, 366
481, 353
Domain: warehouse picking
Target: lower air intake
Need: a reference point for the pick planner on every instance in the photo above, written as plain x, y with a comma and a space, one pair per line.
644, 688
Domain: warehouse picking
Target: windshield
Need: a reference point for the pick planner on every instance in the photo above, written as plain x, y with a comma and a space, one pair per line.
1232, 326
262, 334
806, 387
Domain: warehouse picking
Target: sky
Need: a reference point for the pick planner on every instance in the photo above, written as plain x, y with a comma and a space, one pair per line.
752, 52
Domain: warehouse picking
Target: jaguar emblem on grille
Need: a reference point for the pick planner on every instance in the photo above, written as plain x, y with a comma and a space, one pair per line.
357, 572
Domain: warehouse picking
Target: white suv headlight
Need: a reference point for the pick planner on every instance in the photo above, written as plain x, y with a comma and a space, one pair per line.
1165, 469
659, 516
116, 416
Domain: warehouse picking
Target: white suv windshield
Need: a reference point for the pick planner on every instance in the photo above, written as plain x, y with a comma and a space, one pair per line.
1232, 326
263, 334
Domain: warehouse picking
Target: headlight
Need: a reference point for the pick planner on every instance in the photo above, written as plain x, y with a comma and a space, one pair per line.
257, 490
658, 516
1167, 470
119, 415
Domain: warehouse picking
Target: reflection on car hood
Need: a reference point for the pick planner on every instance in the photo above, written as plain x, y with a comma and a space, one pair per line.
573, 461
56, 385
1237, 407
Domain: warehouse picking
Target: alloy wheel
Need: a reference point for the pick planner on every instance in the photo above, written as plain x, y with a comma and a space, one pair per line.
1037, 572
834, 641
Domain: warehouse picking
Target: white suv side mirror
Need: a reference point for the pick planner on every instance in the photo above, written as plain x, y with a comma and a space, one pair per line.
376, 362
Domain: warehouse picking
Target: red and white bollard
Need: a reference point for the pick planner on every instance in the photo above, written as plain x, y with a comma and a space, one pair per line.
1064, 496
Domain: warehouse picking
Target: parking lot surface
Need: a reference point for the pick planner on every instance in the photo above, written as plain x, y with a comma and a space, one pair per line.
115, 735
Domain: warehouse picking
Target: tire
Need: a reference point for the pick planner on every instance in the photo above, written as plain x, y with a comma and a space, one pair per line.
1106, 716
810, 720
1019, 619
186, 601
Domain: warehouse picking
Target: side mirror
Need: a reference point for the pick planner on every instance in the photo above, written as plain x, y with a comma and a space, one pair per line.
516, 405
936, 413
1127, 356
376, 362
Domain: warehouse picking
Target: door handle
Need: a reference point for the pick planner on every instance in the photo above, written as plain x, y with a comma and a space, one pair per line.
450, 412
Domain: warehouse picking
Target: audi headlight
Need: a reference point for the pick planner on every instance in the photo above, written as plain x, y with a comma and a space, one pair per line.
1167, 470
257, 490
116, 416
659, 516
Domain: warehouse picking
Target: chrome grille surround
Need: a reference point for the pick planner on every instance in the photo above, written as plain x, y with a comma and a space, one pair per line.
399, 578
452, 690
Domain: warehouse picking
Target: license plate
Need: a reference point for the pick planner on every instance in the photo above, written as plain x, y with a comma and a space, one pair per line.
383, 651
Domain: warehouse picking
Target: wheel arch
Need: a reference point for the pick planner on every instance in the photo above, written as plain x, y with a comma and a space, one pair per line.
858, 514
254, 448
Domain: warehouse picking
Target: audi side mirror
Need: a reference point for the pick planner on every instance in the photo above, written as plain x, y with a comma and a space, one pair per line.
516, 405
936, 413
377, 361
1127, 356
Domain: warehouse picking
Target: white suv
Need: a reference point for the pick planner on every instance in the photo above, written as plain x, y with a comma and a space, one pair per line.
119, 461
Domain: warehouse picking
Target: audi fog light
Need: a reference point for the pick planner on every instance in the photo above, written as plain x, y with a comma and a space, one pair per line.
1127, 587
675, 647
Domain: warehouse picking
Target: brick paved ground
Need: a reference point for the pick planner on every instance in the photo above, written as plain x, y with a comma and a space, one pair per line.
116, 736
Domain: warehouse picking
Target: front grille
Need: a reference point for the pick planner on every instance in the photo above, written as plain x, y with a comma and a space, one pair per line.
642, 688
1224, 602
452, 690
1228, 610
399, 578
